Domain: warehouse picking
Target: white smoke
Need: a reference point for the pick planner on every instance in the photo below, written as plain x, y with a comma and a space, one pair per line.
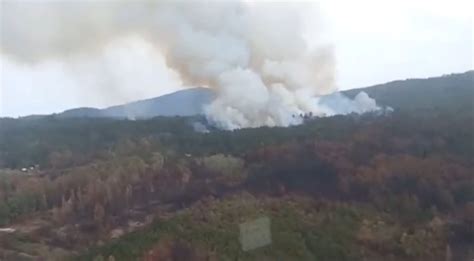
254, 56
337, 103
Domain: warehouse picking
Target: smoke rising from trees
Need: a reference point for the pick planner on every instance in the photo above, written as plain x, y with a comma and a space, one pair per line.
254, 56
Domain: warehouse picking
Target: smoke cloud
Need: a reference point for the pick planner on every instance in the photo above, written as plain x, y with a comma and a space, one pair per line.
254, 56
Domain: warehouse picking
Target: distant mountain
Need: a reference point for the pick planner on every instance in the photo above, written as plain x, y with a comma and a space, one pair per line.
453, 92
82, 112
447, 92
181, 103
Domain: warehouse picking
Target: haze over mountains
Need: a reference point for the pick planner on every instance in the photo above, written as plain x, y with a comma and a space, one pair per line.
448, 92
453, 90
181, 103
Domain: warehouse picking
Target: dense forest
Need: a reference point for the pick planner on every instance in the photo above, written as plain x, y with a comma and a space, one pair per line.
397, 185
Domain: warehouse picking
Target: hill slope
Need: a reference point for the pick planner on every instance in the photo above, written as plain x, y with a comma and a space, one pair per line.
448, 92
452, 92
181, 103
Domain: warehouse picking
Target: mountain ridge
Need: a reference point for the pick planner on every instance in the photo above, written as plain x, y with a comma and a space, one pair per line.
450, 91
185, 102
408, 94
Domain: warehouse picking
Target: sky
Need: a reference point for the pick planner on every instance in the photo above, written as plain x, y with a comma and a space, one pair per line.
373, 41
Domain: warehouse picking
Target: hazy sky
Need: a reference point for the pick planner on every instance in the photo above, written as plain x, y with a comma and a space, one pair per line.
374, 42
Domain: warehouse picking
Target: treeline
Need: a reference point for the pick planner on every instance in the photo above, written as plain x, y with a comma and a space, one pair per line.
28, 142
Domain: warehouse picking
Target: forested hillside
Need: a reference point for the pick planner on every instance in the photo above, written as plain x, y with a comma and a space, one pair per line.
396, 186
453, 92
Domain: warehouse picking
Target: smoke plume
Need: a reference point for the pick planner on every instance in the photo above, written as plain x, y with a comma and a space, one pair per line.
254, 56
